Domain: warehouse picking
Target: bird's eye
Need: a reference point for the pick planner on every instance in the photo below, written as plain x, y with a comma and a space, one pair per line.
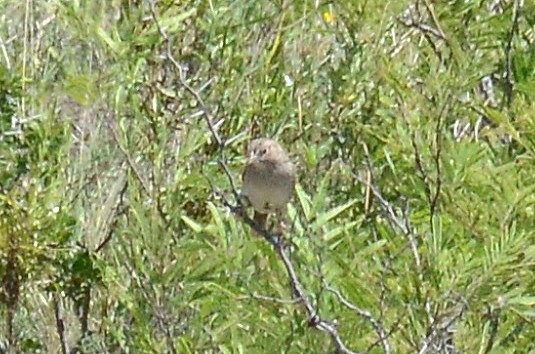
263, 151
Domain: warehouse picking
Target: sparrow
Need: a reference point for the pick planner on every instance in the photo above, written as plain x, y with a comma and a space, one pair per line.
268, 179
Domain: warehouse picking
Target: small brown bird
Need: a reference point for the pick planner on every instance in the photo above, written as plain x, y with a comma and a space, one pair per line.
268, 178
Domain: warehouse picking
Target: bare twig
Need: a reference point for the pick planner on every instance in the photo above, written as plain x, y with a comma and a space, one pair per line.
438, 150
432, 196
130, 162
387, 208
134, 168
508, 84
379, 329
4, 52
411, 18
60, 327
494, 324
272, 299
438, 328
431, 12
117, 195
420, 165
369, 181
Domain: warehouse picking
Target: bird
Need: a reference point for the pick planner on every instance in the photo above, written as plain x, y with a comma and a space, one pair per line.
268, 179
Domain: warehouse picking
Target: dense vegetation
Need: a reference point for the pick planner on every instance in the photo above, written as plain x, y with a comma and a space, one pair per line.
123, 128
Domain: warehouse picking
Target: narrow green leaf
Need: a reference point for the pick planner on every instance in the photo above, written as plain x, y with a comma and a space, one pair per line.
196, 227
322, 219
332, 235
522, 300
304, 200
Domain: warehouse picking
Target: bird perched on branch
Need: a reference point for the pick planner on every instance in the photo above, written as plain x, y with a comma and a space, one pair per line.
268, 179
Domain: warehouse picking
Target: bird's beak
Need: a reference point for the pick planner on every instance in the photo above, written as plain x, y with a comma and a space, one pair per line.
252, 157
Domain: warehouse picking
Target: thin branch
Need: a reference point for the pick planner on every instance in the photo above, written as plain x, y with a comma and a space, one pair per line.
494, 324
420, 165
387, 208
60, 327
4, 52
272, 299
438, 151
130, 162
443, 326
83, 310
134, 168
411, 19
369, 182
118, 190
508, 85
431, 12
379, 329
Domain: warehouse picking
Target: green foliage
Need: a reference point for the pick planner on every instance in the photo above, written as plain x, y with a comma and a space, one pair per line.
412, 127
